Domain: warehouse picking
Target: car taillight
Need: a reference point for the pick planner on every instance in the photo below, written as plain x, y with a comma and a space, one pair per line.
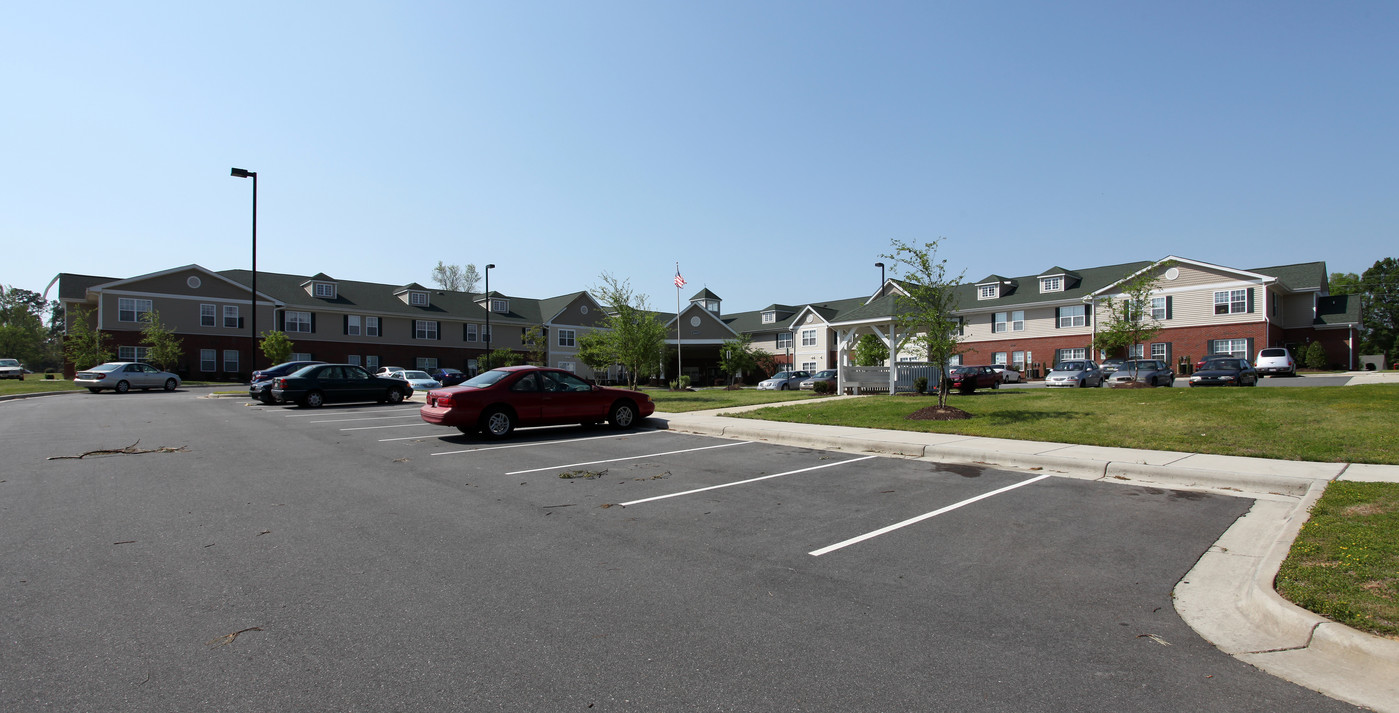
280, 383
441, 399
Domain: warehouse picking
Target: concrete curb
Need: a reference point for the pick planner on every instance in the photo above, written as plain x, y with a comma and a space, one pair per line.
35, 395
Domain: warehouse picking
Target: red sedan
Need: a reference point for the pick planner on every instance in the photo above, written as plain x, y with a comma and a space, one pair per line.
496, 401
967, 379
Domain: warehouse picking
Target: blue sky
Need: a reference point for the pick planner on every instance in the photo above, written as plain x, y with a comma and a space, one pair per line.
773, 149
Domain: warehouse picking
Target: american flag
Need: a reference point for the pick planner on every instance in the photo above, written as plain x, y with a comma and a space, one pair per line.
679, 281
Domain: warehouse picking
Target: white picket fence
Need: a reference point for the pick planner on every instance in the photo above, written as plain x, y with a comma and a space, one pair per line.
861, 379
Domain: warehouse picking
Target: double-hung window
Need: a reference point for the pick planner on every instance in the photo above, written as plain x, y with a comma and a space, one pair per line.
208, 317
132, 310
808, 337
1017, 321
1075, 353
1231, 301
1073, 316
230, 316
1158, 308
1158, 351
568, 338
230, 361
352, 325
298, 322
784, 340
371, 326
1051, 284
769, 317
424, 329
468, 332
208, 360
1232, 347
999, 322
133, 353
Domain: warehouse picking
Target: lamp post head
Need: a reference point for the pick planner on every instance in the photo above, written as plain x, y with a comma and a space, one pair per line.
879, 264
489, 266
242, 173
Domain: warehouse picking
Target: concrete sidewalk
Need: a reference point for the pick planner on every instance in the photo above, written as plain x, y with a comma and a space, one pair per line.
1228, 597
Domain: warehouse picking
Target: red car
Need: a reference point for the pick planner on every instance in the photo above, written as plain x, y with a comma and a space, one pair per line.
967, 379
496, 401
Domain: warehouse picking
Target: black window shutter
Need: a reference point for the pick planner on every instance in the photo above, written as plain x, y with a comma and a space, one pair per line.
1250, 303
240, 322
437, 328
313, 322
347, 325
1088, 315
1169, 306
1056, 317
281, 321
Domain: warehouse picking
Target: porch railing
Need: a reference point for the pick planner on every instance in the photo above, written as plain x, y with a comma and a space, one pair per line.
859, 379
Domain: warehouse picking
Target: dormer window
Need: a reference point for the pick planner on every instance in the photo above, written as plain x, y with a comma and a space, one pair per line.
769, 317
417, 299
1052, 284
324, 290
502, 306
988, 292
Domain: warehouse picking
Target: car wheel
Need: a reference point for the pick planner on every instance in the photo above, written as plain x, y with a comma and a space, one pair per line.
123, 387
623, 415
170, 384
395, 396
995, 384
95, 391
782, 387
314, 399
267, 399
497, 422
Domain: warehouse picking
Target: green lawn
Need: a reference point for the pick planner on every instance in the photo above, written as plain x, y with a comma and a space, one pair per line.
1354, 424
682, 401
1344, 564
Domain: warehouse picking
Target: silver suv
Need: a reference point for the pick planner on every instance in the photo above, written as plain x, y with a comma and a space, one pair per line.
1275, 360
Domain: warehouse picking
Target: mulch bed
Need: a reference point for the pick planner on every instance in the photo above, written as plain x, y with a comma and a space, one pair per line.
936, 413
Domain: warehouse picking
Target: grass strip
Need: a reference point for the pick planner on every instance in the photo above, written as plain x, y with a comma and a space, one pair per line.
703, 399
1344, 565
1349, 424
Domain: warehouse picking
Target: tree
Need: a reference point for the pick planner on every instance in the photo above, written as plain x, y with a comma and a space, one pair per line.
22, 333
1379, 290
635, 337
503, 357
870, 351
165, 348
1344, 283
455, 277
276, 347
536, 345
1129, 318
448, 277
925, 315
737, 356
84, 345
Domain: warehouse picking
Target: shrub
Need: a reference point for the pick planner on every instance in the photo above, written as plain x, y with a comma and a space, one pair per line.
1316, 356
823, 387
920, 384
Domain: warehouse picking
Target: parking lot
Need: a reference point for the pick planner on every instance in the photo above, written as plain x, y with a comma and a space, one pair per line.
354, 558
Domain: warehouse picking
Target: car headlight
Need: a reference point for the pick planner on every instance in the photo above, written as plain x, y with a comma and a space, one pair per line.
1226, 378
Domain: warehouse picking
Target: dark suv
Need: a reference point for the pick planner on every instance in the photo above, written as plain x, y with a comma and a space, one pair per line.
261, 386
447, 377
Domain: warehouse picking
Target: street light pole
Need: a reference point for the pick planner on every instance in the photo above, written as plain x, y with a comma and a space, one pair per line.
880, 265
488, 315
252, 297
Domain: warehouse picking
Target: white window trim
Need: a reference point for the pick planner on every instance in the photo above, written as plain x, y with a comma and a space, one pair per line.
230, 312
988, 292
568, 338
353, 325
808, 337
1052, 284
294, 322
784, 340
135, 308
417, 299
208, 361
1229, 301
323, 289
425, 329
230, 361
1066, 319
769, 317
208, 315
371, 326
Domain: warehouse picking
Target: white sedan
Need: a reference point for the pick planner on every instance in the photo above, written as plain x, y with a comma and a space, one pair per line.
123, 376
783, 380
419, 379
1009, 375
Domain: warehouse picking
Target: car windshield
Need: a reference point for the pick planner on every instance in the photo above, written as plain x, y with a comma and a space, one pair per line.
415, 375
782, 375
9, 362
107, 367
486, 378
824, 374
1221, 364
1071, 366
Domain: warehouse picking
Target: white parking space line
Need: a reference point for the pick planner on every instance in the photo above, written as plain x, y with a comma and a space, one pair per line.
367, 418
323, 413
744, 482
394, 425
920, 518
524, 445
614, 460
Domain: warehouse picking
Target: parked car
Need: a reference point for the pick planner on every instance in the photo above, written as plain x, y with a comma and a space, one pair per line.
123, 376
967, 379
1074, 372
1201, 363
448, 377
495, 402
1225, 371
1109, 367
1276, 361
826, 375
1009, 374
1147, 371
420, 380
261, 386
319, 384
391, 372
12, 369
783, 380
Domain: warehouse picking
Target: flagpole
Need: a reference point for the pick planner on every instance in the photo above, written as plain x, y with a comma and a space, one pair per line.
679, 354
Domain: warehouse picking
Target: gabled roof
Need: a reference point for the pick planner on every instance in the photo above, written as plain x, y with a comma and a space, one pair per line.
705, 294
1301, 277
410, 287
1056, 270
1337, 310
73, 287
993, 279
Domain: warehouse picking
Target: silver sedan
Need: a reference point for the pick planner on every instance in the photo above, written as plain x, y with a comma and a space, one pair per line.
783, 380
1148, 371
123, 376
1074, 372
